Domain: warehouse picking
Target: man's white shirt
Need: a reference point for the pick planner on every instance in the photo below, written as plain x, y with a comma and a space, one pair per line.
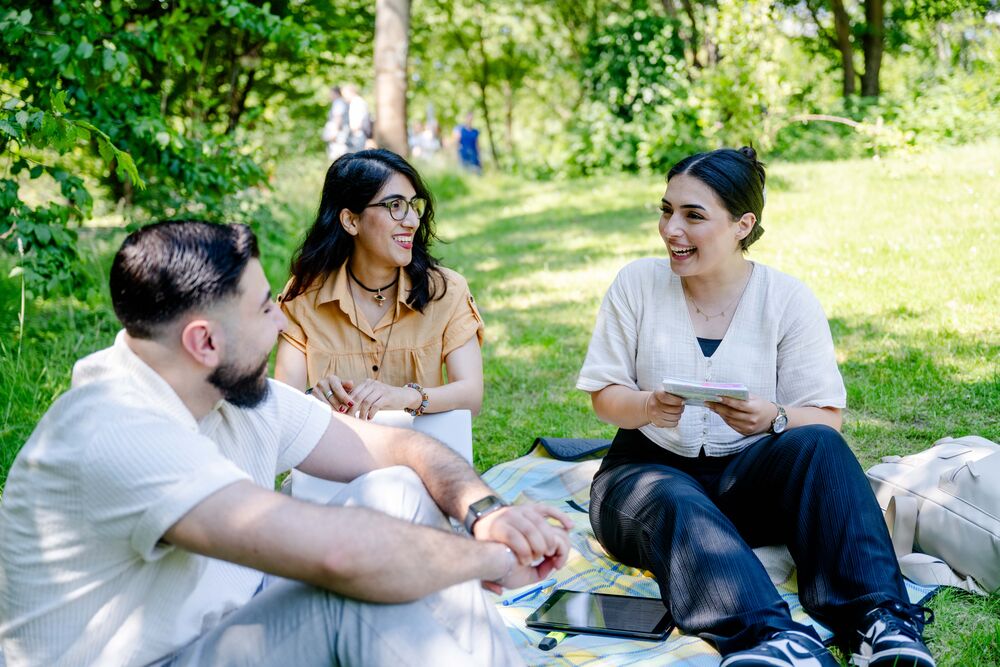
114, 463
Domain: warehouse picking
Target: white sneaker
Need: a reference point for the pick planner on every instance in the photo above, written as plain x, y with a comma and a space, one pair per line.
893, 640
788, 648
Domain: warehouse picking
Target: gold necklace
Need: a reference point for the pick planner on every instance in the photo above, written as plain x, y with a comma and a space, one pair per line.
708, 317
376, 368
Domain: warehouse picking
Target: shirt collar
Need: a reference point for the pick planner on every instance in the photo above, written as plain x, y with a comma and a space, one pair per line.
143, 378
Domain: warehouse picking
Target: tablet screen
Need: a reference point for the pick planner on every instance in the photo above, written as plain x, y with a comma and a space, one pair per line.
603, 613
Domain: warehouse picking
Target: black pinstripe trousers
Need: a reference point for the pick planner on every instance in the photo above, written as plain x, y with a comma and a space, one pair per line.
693, 522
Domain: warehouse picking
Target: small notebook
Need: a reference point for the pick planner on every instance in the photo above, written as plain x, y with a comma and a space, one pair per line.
696, 393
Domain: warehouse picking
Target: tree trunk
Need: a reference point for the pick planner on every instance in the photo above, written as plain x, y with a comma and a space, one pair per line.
873, 42
508, 96
484, 82
392, 41
695, 39
842, 30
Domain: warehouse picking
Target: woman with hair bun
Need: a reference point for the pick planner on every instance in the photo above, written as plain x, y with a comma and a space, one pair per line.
373, 319
687, 491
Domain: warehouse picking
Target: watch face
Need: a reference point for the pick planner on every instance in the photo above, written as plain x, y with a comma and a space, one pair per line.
484, 504
780, 422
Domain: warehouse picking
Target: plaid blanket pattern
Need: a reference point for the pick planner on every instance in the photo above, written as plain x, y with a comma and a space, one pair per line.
566, 486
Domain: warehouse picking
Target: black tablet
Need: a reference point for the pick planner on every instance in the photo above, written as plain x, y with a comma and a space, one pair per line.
603, 614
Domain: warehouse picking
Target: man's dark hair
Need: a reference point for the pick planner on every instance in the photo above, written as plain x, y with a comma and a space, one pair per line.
736, 176
351, 182
169, 268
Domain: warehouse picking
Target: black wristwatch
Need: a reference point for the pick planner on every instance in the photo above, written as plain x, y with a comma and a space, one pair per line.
780, 422
481, 508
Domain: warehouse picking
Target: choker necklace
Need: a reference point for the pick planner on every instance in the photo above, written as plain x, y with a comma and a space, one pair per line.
376, 368
377, 292
708, 317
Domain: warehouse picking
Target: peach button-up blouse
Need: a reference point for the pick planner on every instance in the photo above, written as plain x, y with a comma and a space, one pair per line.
408, 346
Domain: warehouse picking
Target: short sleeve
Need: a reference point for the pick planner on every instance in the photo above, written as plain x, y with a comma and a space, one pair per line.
807, 373
464, 322
612, 352
293, 333
303, 421
142, 478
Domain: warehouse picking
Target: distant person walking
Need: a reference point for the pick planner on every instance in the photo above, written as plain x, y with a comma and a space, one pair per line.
424, 143
468, 145
335, 130
359, 120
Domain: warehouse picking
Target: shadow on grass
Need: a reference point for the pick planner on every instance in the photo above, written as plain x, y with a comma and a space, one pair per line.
536, 240
530, 375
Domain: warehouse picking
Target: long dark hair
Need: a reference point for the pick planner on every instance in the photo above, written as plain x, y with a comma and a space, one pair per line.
736, 176
351, 182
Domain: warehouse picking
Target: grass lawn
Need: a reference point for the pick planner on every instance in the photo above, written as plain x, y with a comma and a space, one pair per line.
904, 255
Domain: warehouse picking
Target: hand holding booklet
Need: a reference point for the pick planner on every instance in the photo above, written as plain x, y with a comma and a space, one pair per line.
696, 393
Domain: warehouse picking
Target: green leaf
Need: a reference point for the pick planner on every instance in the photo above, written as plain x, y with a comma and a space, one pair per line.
231, 11
22, 118
84, 49
36, 171
43, 234
15, 272
108, 60
60, 54
59, 102
9, 129
25, 17
126, 166
105, 148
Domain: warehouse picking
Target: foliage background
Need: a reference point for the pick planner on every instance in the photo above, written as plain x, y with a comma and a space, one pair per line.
207, 97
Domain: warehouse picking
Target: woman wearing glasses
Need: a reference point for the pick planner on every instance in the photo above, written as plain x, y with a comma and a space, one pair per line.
686, 490
372, 316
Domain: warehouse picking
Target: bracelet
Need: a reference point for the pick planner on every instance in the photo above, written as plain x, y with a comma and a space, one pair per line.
513, 563
645, 410
423, 400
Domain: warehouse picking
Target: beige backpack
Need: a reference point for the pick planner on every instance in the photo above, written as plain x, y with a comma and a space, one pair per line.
944, 504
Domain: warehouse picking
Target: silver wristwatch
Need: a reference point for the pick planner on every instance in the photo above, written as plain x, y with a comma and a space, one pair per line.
481, 508
780, 422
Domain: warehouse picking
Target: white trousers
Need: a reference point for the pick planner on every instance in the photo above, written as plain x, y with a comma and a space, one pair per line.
292, 624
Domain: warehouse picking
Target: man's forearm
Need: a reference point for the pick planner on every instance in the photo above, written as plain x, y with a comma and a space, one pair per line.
352, 551
394, 561
451, 481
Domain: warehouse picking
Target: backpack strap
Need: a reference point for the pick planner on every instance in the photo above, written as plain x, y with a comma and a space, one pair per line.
928, 570
901, 518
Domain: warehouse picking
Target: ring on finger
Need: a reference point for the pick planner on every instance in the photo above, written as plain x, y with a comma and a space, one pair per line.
328, 393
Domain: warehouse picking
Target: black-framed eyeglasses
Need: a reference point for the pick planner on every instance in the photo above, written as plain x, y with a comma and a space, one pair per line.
398, 208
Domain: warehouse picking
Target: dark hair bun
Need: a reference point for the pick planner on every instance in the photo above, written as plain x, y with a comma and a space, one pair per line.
749, 152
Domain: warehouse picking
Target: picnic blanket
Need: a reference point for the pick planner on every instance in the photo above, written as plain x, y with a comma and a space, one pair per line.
538, 477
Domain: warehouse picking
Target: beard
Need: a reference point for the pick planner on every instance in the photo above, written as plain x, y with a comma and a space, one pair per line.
242, 388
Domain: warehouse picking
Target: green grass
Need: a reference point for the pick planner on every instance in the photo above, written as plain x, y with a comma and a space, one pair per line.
903, 253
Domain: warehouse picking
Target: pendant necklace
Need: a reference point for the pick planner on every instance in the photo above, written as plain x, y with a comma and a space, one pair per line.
376, 292
708, 317
376, 368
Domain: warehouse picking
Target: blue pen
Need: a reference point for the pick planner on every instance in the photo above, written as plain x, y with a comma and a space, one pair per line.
534, 590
